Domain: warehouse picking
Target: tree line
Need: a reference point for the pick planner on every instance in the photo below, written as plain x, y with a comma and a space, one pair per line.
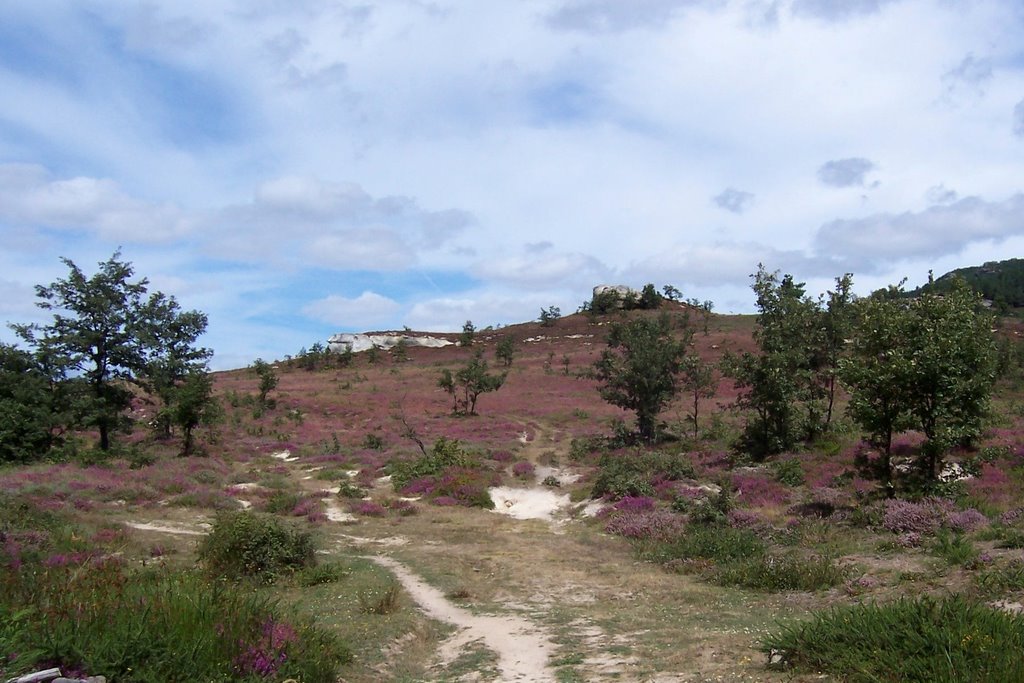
924, 363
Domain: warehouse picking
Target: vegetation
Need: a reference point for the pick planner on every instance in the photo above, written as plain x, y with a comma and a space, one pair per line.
923, 639
640, 368
268, 380
105, 335
253, 545
467, 383
1001, 282
549, 315
505, 350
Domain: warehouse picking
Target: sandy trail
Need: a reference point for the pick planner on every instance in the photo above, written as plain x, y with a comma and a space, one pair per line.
523, 649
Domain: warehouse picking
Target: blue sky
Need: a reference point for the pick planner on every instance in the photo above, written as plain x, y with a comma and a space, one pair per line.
300, 168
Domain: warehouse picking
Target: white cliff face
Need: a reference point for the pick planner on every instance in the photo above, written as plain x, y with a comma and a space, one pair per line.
621, 291
339, 343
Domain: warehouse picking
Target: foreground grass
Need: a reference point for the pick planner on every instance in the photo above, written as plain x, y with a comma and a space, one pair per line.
938, 640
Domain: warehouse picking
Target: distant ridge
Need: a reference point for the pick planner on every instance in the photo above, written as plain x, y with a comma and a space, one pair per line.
1002, 282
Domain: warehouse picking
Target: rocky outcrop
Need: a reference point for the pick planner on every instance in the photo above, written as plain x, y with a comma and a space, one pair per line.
622, 291
340, 343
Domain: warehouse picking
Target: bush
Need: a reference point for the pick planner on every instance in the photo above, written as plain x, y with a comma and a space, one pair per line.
789, 472
780, 573
253, 545
925, 639
715, 543
443, 454
635, 474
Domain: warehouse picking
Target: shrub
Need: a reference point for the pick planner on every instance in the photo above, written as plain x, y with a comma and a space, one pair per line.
654, 524
954, 548
253, 545
780, 573
523, 469
636, 474
716, 543
443, 454
904, 516
758, 491
924, 639
789, 472
966, 520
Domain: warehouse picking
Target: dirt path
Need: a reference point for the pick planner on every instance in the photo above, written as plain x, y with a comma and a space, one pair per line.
523, 649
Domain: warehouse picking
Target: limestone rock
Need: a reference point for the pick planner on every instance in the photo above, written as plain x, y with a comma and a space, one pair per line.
339, 343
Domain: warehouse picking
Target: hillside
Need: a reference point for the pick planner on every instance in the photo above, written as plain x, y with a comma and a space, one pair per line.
600, 560
1001, 282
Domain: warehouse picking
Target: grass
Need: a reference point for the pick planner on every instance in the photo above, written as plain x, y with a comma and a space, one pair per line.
942, 640
103, 618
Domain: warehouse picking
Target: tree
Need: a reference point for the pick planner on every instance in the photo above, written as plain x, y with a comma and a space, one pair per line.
468, 334
169, 336
926, 363
107, 335
649, 298
639, 370
671, 293
549, 315
877, 373
779, 382
698, 380
194, 406
953, 369
838, 314
505, 350
468, 382
27, 415
268, 379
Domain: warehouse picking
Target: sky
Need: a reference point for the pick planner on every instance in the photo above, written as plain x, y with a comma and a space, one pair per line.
297, 168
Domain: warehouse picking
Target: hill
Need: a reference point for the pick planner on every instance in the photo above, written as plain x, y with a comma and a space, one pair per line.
1001, 282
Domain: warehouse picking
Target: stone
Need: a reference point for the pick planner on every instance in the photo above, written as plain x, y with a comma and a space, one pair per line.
356, 343
623, 292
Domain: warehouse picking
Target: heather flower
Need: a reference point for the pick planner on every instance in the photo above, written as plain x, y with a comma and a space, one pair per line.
368, 508
966, 520
902, 516
655, 524
758, 491
444, 501
523, 469
745, 519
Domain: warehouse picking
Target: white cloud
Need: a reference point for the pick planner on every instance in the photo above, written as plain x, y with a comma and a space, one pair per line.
1018, 119
362, 312
871, 242
29, 196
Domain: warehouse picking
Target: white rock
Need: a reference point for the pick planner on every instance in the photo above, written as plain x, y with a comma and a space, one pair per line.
339, 343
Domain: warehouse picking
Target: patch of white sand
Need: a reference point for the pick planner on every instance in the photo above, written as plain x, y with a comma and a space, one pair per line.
336, 514
245, 486
523, 648
592, 508
285, 455
528, 503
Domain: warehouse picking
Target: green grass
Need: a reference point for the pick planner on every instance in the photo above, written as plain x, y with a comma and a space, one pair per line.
950, 640
103, 618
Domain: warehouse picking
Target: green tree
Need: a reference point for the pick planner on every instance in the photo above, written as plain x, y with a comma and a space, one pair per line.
926, 363
505, 350
837, 325
268, 379
649, 298
639, 370
671, 293
698, 381
468, 334
953, 369
467, 383
549, 315
877, 373
27, 417
779, 383
193, 406
107, 335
